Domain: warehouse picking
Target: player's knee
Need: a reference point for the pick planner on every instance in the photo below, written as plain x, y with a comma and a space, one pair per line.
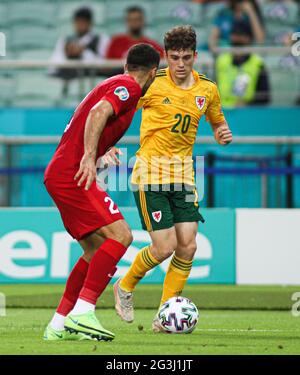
124, 236
164, 250
127, 238
88, 254
187, 250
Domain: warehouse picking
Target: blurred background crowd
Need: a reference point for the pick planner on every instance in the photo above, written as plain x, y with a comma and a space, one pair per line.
248, 46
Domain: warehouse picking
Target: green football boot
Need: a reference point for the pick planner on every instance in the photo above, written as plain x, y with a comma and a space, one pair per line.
88, 324
51, 334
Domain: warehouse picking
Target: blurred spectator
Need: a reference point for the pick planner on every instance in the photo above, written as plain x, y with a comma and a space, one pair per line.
120, 44
242, 77
237, 10
84, 45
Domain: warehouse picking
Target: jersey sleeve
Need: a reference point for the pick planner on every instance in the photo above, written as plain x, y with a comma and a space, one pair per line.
122, 96
214, 112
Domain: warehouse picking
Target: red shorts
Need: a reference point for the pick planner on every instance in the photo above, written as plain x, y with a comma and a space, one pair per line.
82, 211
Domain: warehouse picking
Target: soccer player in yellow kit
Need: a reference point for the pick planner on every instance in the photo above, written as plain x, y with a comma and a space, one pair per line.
163, 176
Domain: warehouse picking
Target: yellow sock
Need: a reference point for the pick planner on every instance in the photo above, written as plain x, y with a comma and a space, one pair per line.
176, 277
143, 262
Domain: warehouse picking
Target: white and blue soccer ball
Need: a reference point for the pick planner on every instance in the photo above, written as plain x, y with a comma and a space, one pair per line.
178, 315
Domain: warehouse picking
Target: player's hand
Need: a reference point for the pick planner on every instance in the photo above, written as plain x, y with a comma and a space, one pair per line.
86, 171
223, 135
111, 158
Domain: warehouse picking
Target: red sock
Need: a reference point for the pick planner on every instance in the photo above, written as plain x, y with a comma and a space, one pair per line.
101, 270
73, 287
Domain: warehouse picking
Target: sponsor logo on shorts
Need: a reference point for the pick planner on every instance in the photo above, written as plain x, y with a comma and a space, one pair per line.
200, 101
122, 93
157, 216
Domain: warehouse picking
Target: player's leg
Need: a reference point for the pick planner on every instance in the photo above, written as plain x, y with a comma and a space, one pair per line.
117, 237
185, 209
186, 215
180, 265
162, 246
87, 213
55, 329
181, 262
156, 218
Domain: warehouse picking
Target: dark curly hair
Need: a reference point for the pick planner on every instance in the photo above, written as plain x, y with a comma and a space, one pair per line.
142, 56
180, 38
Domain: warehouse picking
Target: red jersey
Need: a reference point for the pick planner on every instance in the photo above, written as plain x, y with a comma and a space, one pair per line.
123, 92
121, 43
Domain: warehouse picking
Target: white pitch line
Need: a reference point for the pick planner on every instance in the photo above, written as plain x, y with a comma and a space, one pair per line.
245, 330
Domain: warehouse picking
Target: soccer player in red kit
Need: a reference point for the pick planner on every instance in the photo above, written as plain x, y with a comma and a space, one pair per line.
88, 213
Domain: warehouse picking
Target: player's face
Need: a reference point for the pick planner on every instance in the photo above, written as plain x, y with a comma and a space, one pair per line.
181, 62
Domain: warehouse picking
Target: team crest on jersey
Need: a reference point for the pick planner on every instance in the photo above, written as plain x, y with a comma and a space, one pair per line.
122, 93
157, 216
200, 101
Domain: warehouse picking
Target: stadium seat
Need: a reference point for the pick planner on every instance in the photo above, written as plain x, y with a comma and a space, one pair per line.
281, 13
113, 28
37, 90
7, 85
202, 37
32, 13
23, 38
209, 11
3, 15
285, 83
276, 33
178, 12
76, 89
34, 54
66, 10
115, 11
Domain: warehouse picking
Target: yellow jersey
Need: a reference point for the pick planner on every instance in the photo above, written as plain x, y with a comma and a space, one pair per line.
170, 118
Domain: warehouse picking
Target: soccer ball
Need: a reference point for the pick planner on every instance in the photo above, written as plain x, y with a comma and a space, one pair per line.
178, 315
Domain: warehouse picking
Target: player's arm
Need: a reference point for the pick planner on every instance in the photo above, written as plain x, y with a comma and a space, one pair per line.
222, 133
94, 126
216, 118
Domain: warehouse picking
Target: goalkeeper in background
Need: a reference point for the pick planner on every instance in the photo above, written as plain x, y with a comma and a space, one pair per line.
163, 176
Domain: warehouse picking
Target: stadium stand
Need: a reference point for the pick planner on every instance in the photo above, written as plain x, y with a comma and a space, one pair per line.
32, 28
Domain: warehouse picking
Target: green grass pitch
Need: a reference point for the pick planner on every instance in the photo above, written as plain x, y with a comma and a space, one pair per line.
233, 320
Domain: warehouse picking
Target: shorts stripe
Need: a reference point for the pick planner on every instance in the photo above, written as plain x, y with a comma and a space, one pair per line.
196, 198
144, 210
